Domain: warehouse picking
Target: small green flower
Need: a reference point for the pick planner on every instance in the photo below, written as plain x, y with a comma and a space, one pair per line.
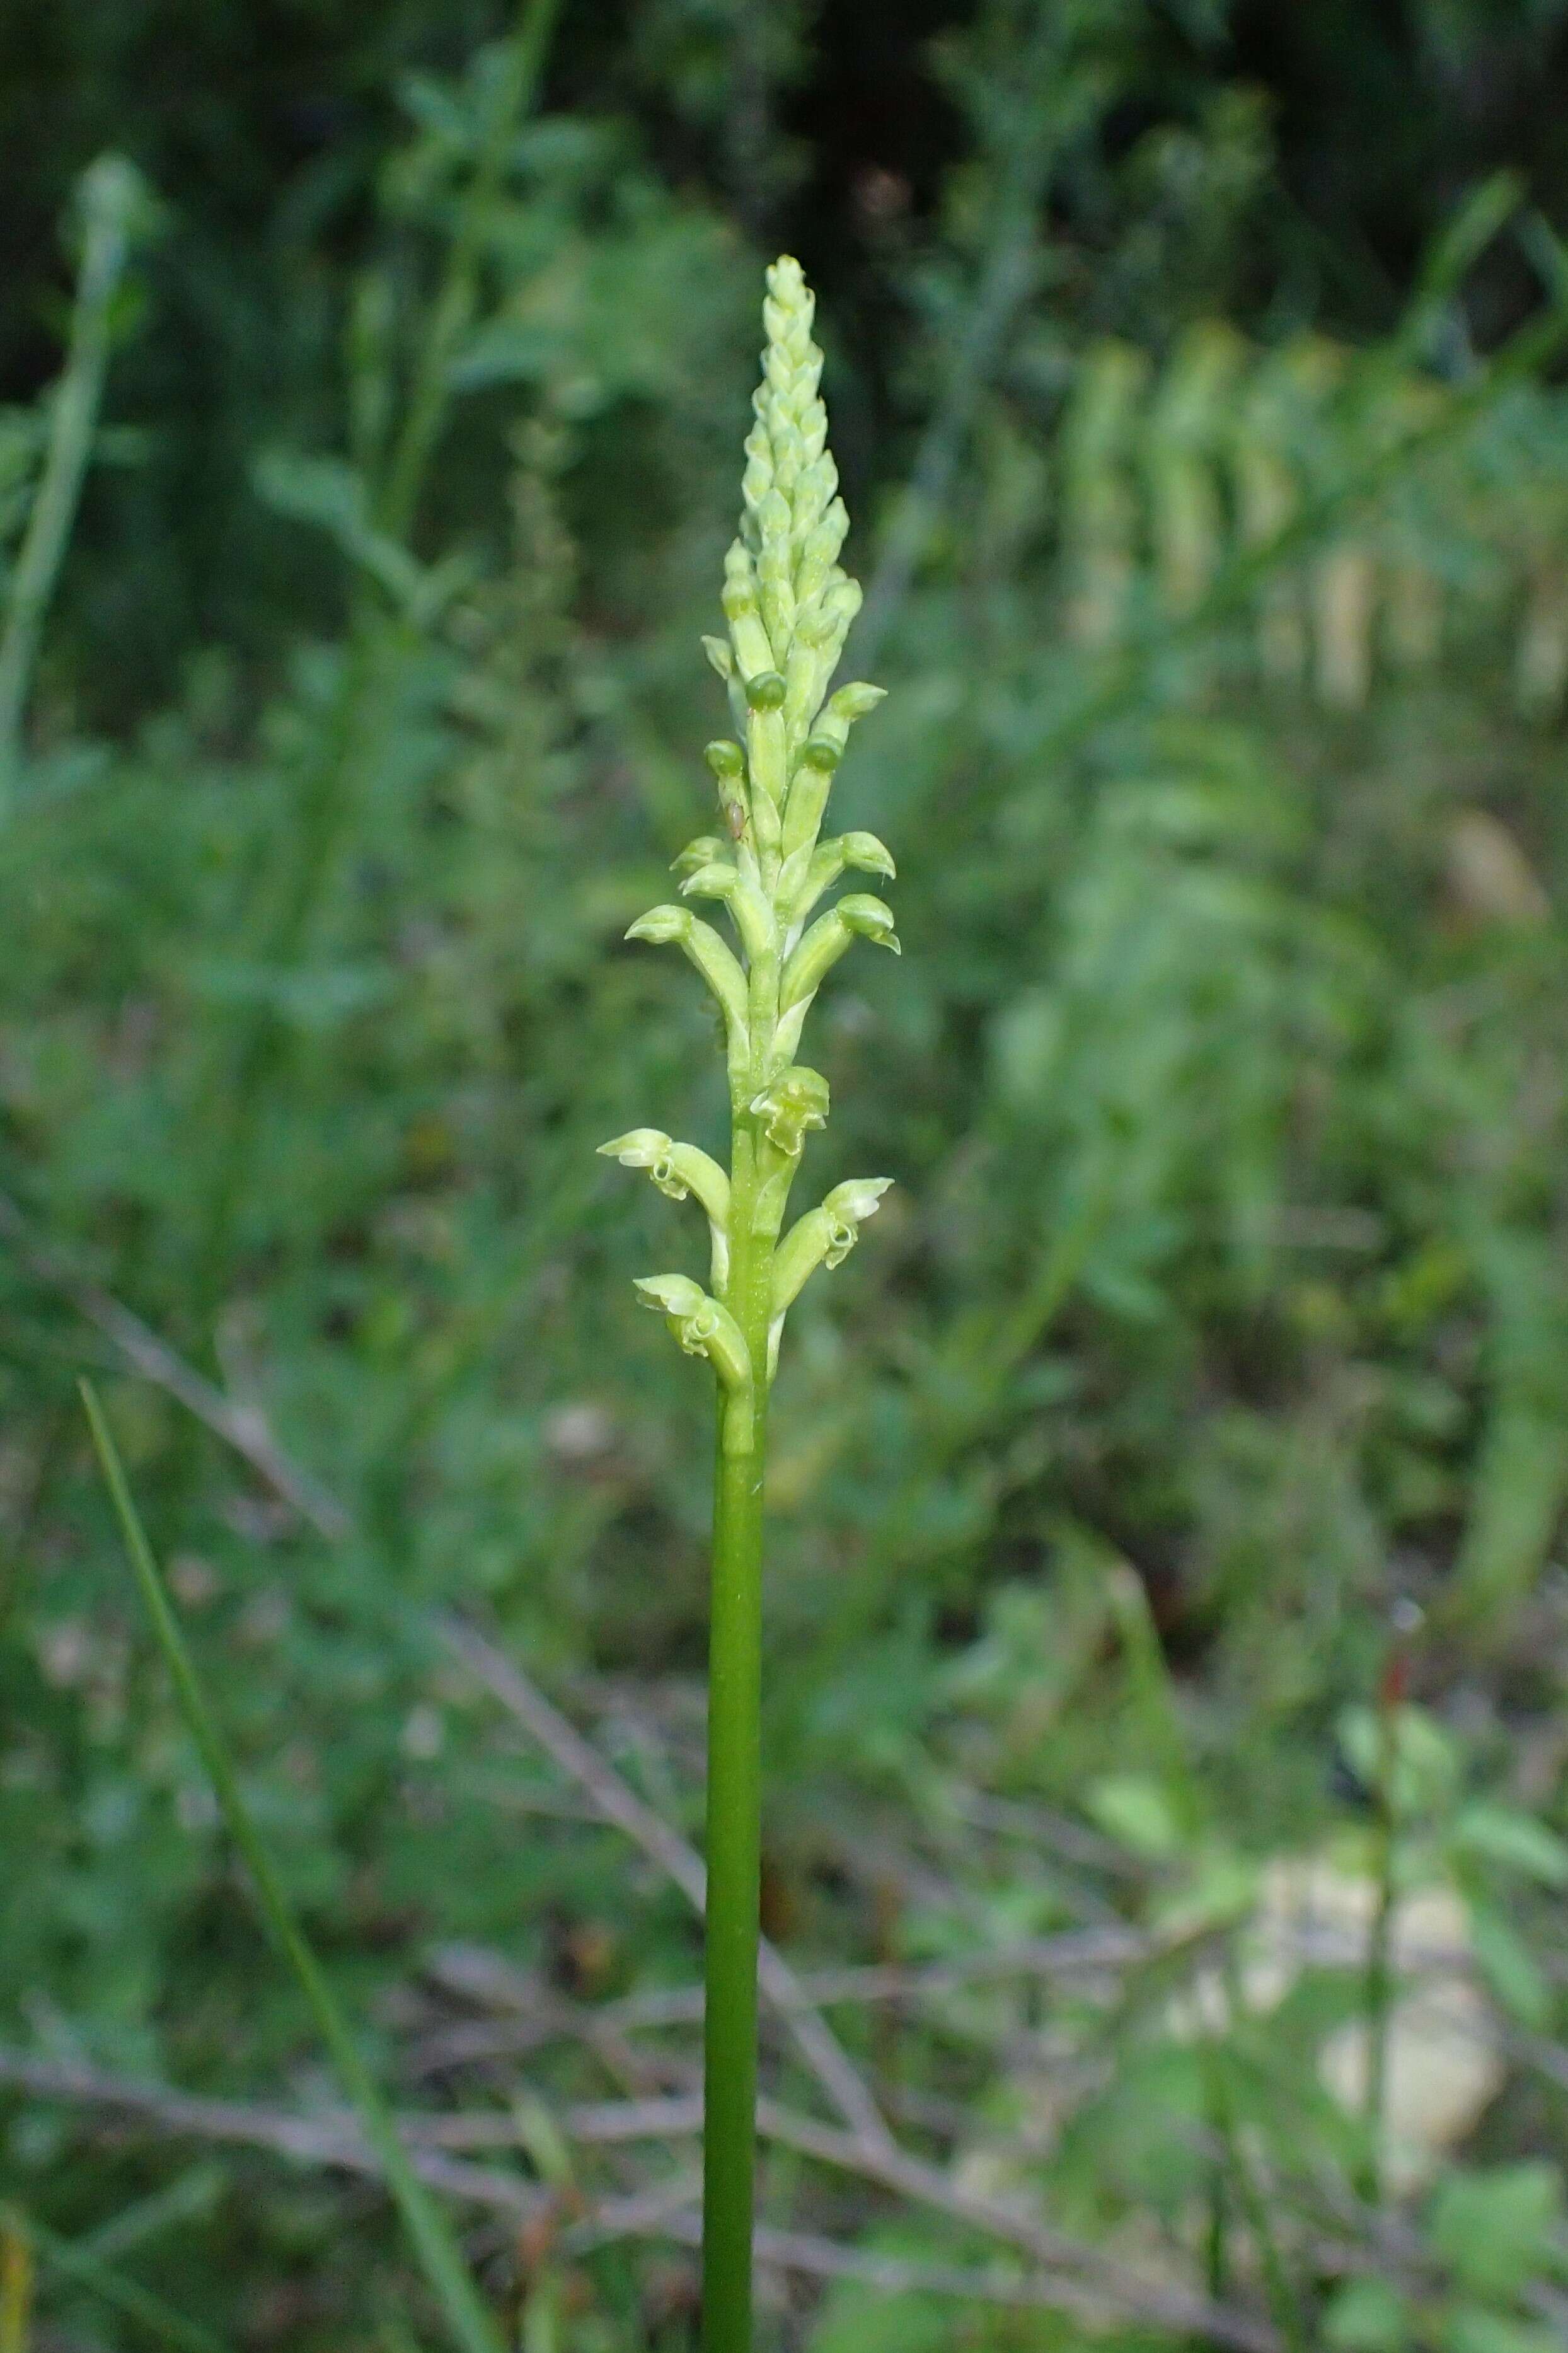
824, 1237
677, 1169
706, 851
701, 1325
797, 1100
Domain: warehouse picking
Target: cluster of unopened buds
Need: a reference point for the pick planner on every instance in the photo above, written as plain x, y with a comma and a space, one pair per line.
788, 605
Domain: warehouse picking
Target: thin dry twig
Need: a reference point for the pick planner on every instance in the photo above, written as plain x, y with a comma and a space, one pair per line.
818, 2258
243, 1427
620, 1805
537, 2015
1073, 2276
333, 2139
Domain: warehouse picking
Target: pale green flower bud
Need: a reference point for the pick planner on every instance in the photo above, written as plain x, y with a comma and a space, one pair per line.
820, 752
859, 917
818, 758
660, 925
766, 742
678, 926
742, 610
706, 851
848, 1206
722, 658
728, 762
869, 919
823, 626
819, 555
824, 1237
810, 873
753, 915
817, 625
677, 1169
796, 1101
702, 1327
650, 1148
864, 851
716, 878
856, 701
809, 788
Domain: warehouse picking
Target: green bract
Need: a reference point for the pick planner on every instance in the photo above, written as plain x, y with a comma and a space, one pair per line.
788, 603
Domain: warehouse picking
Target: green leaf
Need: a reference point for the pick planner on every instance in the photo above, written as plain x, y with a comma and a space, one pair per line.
1367, 2316
1486, 209
1474, 2328
327, 492
1494, 2229
1138, 1811
1508, 1966
1517, 1841
855, 2317
1424, 1758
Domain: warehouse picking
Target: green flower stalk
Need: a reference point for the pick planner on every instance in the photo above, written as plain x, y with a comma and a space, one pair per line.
789, 606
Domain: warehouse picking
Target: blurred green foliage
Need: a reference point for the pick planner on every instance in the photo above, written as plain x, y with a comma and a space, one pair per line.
1217, 530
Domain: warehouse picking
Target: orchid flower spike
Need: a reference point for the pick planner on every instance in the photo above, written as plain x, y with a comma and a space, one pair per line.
788, 603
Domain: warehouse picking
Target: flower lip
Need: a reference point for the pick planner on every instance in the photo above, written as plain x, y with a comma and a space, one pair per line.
650, 1148
640, 1147
873, 857
671, 1294
706, 851
856, 700
661, 924
857, 1199
715, 879
872, 919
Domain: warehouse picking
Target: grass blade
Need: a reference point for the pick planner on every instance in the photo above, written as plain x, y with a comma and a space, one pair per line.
126, 2296
429, 2235
111, 195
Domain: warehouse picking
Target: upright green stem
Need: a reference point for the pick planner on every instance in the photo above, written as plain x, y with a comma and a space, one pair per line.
1379, 1984
1284, 2302
734, 1781
110, 194
734, 1840
457, 302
